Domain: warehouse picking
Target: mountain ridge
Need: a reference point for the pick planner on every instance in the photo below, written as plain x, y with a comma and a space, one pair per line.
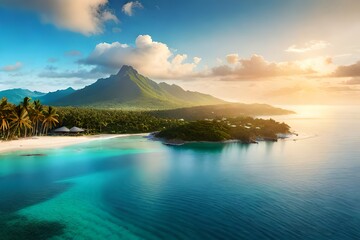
56, 95
16, 95
126, 90
130, 90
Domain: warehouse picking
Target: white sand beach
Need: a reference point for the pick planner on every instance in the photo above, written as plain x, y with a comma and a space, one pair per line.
42, 142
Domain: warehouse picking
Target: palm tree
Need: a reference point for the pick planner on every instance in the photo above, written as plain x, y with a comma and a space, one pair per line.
5, 109
20, 120
26, 104
50, 119
37, 116
102, 124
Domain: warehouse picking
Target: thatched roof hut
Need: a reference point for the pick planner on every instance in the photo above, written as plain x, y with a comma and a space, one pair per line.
62, 130
76, 130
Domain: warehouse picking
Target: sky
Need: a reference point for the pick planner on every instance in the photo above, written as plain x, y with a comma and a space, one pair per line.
270, 51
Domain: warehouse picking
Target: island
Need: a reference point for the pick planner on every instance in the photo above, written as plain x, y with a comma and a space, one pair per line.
243, 129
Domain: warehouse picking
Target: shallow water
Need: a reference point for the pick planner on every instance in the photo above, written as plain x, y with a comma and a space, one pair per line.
133, 188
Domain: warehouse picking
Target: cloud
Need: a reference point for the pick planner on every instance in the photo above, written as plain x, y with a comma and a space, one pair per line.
323, 65
219, 61
348, 71
222, 70
73, 53
83, 16
153, 59
129, 7
109, 16
197, 60
308, 46
232, 58
258, 68
94, 73
340, 89
353, 81
12, 68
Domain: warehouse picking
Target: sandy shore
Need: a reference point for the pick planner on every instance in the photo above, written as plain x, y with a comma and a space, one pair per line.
53, 141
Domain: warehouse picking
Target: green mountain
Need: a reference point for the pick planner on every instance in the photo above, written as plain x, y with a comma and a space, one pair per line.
130, 90
17, 95
55, 96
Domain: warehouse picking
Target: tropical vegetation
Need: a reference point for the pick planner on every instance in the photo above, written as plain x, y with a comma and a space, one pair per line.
112, 121
245, 129
31, 118
26, 119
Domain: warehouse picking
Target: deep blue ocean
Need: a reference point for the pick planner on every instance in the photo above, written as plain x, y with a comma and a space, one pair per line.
135, 188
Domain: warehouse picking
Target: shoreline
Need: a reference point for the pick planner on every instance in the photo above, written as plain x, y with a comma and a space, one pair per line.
179, 142
48, 142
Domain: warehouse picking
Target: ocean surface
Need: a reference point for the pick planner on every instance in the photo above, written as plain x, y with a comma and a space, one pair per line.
135, 188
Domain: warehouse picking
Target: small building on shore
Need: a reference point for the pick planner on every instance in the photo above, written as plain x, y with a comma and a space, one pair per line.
76, 130
62, 130
65, 131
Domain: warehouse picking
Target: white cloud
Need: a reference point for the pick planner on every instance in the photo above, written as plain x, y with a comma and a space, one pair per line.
84, 16
108, 16
197, 60
232, 58
257, 67
308, 46
129, 7
12, 68
153, 59
323, 65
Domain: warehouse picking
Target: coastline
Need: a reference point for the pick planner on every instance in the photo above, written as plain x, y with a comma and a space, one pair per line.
46, 142
179, 142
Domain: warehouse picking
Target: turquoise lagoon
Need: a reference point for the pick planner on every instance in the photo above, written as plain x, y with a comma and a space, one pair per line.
135, 188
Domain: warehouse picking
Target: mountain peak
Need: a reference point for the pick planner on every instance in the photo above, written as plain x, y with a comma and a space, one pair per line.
129, 89
126, 69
